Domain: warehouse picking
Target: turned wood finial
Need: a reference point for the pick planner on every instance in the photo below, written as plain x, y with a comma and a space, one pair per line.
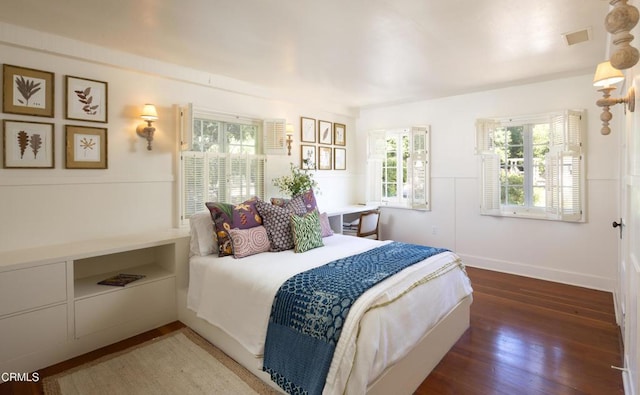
619, 22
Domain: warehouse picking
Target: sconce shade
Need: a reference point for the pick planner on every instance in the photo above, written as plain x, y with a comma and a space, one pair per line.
607, 75
149, 113
289, 129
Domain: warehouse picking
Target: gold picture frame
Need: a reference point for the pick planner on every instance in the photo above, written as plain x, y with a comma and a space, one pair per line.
325, 132
307, 157
307, 130
86, 99
339, 134
324, 158
28, 145
86, 147
27, 91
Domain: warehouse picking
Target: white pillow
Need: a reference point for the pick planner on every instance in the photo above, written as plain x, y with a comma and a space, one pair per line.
203, 240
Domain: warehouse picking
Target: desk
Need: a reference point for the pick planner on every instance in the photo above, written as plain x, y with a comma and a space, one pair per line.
346, 214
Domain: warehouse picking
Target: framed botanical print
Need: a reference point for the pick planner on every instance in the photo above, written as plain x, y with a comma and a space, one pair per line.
324, 158
86, 100
339, 159
307, 157
339, 134
27, 91
307, 130
28, 145
86, 147
325, 135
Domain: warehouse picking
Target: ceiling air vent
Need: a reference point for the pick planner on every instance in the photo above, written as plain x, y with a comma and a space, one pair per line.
577, 37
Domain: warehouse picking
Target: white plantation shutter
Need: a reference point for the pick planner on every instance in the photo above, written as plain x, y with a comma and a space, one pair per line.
489, 167
245, 177
377, 145
484, 135
194, 185
565, 168
216, 176
274, 132
419, 168
489, 183
185, 126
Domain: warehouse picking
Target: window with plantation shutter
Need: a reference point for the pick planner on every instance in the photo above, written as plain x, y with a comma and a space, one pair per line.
532, 166
221, 159
398, 167
274, 131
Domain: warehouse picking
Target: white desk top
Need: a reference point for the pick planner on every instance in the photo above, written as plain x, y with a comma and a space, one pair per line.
356, 208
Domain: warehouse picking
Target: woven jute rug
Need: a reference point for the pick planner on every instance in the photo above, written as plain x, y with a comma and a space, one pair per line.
180, 362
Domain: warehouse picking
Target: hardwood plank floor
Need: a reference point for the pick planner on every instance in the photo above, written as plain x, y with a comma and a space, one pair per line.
527, 336
532, 337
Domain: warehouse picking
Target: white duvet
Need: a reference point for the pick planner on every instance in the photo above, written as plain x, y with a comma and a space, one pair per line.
382, 326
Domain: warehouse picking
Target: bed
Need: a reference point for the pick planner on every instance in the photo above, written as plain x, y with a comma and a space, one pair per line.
396, 331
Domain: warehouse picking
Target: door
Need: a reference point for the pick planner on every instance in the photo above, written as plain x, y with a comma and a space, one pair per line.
629, 265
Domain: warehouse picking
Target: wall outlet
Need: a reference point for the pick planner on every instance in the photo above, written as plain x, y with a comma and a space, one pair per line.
434, 230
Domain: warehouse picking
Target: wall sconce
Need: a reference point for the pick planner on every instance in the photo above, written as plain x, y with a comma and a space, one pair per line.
606, 76
619, 22
289, 133
149, 114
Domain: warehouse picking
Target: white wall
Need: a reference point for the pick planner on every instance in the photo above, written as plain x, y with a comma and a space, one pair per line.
138, 191
583, 254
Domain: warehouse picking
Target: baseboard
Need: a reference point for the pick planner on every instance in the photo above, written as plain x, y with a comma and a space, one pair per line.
542, 273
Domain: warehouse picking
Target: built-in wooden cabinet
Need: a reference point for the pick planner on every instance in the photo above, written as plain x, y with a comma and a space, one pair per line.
51, 307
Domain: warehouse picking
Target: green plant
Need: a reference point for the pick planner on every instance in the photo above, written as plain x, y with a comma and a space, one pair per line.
296, 183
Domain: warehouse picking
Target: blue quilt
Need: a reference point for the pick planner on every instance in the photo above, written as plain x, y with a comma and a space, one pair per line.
310, 308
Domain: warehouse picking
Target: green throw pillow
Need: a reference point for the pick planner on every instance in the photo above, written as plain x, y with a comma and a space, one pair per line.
306, 231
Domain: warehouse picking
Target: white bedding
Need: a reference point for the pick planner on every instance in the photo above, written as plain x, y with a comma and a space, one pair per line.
236, 296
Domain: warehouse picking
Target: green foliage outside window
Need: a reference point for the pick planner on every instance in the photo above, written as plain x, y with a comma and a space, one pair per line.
522, 151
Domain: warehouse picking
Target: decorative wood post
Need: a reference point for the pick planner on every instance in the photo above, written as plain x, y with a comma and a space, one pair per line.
619, 22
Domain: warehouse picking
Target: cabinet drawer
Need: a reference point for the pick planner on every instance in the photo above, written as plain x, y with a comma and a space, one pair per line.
29, 288
151, 301
33, 331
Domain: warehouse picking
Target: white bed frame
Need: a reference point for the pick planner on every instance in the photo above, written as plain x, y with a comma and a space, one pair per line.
404, 377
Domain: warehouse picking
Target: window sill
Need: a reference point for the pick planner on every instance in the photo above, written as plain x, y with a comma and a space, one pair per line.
530, 215
401, 207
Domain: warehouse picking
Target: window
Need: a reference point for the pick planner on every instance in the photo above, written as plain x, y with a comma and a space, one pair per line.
398, 167
221, 159
532, 166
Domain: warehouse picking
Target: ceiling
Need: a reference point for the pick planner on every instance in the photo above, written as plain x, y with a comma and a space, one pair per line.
355, 53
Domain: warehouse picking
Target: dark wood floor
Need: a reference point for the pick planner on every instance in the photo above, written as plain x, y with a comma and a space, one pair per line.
526, 337
532, 337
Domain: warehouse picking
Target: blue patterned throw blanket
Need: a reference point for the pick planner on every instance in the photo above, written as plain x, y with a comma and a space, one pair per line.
310, 308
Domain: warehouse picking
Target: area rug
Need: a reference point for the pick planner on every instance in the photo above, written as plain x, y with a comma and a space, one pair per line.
180, 362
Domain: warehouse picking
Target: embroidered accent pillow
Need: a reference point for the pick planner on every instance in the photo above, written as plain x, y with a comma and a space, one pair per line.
280, 202
226, 216
309, 199
249, 241
325, 226
277, 222
306, 231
